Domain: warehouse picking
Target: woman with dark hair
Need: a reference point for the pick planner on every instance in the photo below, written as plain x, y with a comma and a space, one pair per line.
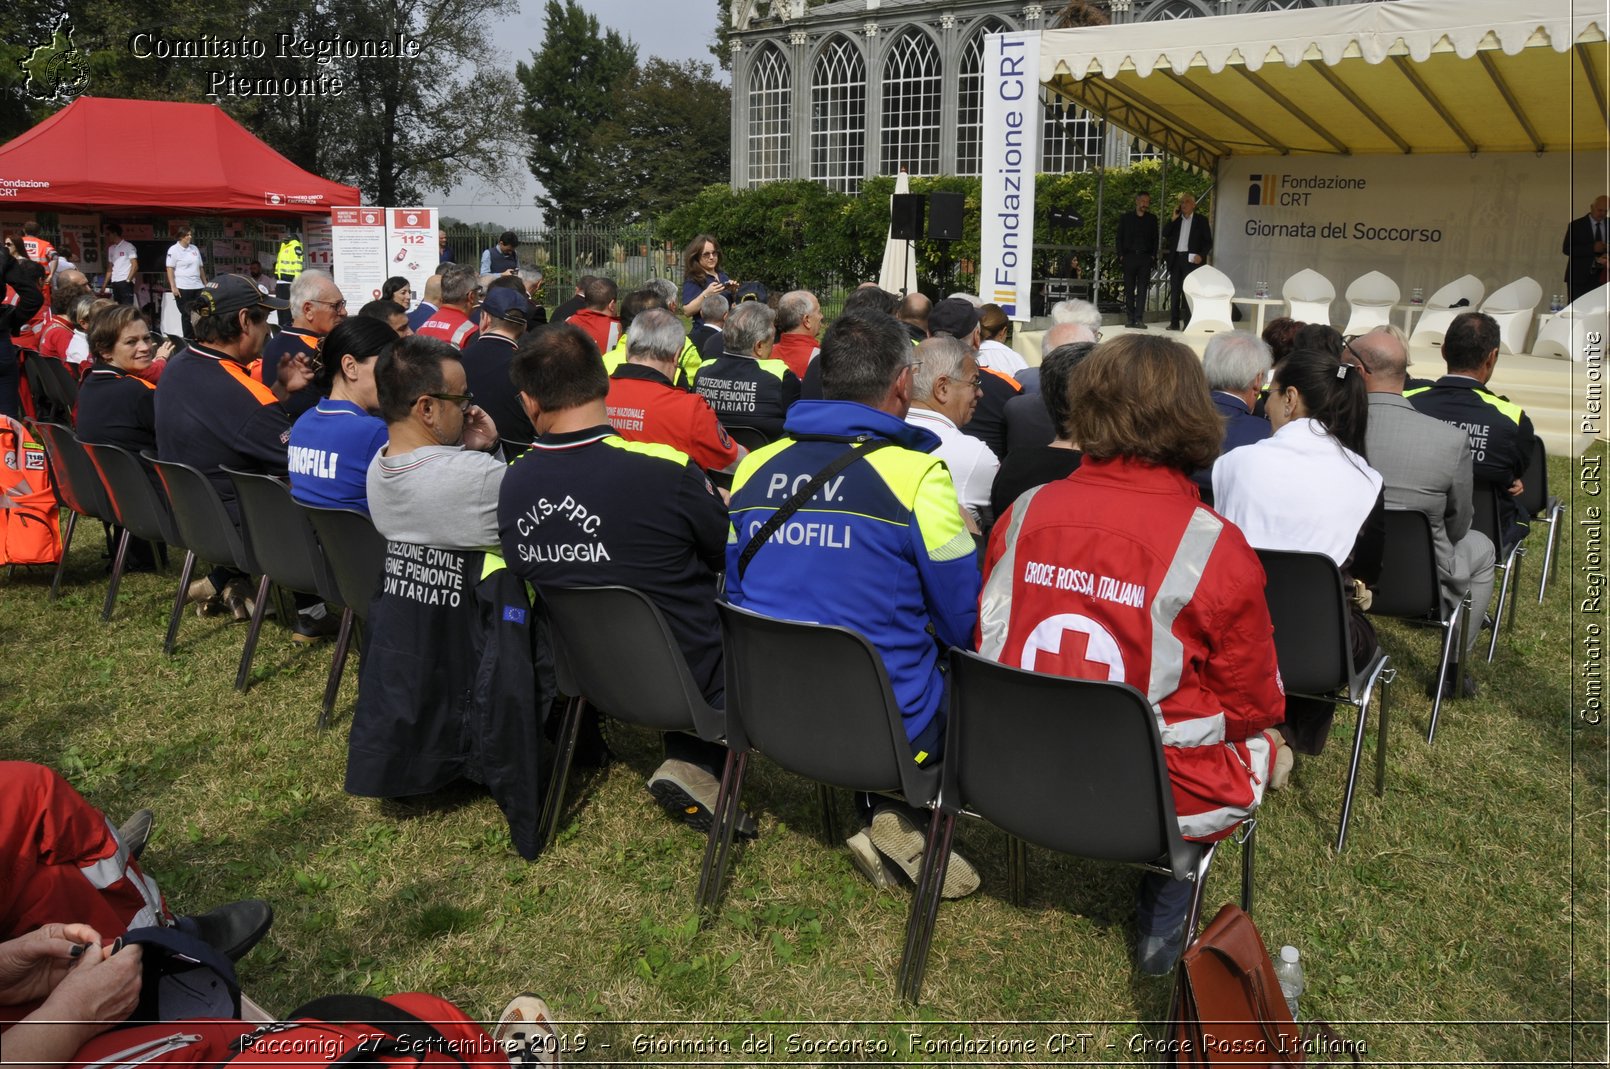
1281, 337
1120, 573
116, 403
1321, 336
1309, 488
1029, 467
995, 349
399, 289
333, 442
702, 274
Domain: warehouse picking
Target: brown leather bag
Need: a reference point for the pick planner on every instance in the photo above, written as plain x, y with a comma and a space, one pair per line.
1229, 1009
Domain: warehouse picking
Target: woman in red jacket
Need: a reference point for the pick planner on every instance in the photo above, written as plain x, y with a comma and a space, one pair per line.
1119, 572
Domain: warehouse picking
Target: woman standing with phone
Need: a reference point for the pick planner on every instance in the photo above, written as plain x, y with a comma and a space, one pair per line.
702, 274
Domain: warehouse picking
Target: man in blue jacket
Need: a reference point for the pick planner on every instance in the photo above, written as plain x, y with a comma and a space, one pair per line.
882, 549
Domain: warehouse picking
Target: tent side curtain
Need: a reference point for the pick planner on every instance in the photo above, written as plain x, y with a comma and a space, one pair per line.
1409, 76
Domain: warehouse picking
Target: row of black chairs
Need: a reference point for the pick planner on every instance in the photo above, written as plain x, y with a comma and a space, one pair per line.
52, 385
333, 553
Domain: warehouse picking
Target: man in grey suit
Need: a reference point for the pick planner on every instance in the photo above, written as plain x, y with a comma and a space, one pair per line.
1426, 466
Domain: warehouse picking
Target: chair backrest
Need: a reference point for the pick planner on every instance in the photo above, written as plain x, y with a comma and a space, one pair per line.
1373, 287
1309, 611
134, 493
751, 438
199, 516
1484, 505
1408, 587
278, 537
60, 386
621, 655
1593, 302
1535, 483
77, 481
1465, 287
816, 700
1308, 285
1522, 295
355, 552
1209, 281
1073, 765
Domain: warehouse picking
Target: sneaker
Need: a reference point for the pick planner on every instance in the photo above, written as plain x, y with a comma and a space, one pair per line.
525, 1032
308, 629
688, 793
874, 866
1156, 955
1448, 684
899, 838
133, 832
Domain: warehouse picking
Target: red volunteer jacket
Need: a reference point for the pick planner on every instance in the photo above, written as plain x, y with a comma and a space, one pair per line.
1119, 572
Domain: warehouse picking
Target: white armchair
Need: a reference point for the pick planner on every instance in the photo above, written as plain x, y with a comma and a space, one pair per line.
1511, 308
1441, 310
1208, 291
1567, 333
1370, 298
1308, 296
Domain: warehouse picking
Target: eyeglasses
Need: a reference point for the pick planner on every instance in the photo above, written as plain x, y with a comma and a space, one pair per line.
1347, 347
702, 255
464, 399
335, 305
972, 384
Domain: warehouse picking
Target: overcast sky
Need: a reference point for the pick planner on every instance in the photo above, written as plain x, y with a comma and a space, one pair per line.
681, 29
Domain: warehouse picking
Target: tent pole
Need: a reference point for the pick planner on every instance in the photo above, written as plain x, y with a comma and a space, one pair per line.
1101, 191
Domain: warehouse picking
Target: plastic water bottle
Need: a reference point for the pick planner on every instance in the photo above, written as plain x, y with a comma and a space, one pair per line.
1289, 972
1263, 289
1554, 302
1419, 296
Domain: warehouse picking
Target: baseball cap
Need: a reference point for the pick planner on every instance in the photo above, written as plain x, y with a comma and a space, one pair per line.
502, 302
953, 316
228, 294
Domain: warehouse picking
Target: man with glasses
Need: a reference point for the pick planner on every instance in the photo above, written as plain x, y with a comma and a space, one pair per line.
317, 308
436, 482
945, 389
452, 322
958, 318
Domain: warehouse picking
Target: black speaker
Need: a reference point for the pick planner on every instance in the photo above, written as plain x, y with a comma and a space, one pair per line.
945, 216
905, 218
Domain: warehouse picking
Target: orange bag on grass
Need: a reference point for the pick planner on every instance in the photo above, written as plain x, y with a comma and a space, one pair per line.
30, 529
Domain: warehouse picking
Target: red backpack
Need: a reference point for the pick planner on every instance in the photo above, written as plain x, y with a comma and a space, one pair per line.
30, 530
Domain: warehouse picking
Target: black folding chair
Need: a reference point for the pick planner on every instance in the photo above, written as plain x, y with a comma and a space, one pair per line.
139, 506
751, 438
44, 404
816, 700
78, 485
1409, 589
614, 651
356, 555
280, 543
1071, 765
1542, 507
1313, 646
205, 529
60, 387
1489, 521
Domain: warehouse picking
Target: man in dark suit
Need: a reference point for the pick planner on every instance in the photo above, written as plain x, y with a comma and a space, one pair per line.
1584, 245
1137, 249
1235, 363
1187, 240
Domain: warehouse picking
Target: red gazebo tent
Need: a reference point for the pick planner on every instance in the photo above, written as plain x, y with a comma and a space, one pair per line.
102, 154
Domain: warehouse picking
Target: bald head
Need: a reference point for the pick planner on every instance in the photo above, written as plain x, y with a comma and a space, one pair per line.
72, 277
914, 310
1385, 358
1599, 207
1065, 334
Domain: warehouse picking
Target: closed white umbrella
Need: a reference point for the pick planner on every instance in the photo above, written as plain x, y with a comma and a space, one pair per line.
899, 271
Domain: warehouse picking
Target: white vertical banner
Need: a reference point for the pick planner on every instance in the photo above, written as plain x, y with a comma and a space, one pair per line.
358, 245
411, 245
1011, 157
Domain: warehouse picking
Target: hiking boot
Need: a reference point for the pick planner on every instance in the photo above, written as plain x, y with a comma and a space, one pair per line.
133, 832
1156, 955
233, 928
240, 598
525, 1032
900, 839
874, 866
307, 629
688, 793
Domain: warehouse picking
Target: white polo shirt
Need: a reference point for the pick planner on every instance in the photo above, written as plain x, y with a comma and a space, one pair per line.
972, 464
186, 263
120, 258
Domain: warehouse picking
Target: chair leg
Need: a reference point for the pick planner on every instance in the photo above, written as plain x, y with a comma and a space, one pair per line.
118, 560
178, 602
925, 905
564, 754
1017, 871
61, 564
1508, 570
1388, 677
1549, 543
824, 798
338, 664
243, 675
718, 849
1453, 640
1249, 844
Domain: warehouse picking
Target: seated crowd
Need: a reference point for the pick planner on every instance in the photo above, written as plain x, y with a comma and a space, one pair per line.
497, 455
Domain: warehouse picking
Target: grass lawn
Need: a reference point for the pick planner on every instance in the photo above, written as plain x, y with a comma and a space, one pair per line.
1464, 924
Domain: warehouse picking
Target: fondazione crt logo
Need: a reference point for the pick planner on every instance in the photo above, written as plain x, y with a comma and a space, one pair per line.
56, 70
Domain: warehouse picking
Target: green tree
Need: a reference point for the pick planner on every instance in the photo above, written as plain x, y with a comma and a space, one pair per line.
666, 136
570, 89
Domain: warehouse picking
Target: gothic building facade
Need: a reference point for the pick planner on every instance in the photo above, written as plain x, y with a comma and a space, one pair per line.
841, 91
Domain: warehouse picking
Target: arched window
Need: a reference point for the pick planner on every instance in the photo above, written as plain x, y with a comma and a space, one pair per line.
1072, 140
970, 97
770, 97
1282, 5
911, 105
1174, 9
838, 116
